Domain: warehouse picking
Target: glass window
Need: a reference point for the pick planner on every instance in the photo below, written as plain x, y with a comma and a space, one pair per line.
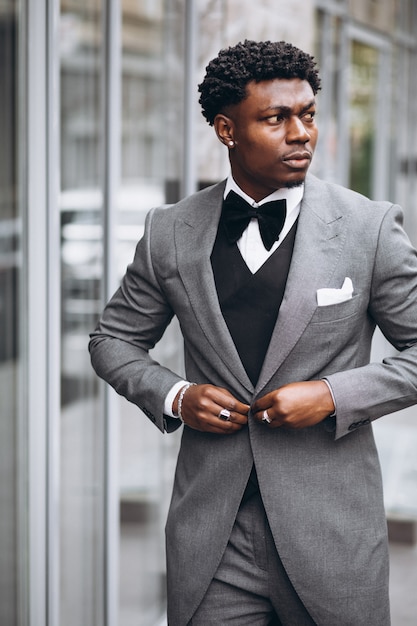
363, 107
82, 423
331, 67
11, 319
407, 16
375, 13
147, 458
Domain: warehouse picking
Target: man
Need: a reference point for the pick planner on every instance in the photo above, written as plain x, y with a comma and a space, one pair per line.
277, 512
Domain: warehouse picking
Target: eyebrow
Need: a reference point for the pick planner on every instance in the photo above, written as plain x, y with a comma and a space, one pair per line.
287, 110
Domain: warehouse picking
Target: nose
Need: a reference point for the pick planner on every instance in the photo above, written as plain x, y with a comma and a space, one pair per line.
296, 131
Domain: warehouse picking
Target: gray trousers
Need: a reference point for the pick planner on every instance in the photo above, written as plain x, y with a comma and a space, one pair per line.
251, 587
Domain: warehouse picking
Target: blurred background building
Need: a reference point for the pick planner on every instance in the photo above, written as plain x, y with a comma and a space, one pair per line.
99, 121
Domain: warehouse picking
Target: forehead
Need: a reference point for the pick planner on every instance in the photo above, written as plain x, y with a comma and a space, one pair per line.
277, 93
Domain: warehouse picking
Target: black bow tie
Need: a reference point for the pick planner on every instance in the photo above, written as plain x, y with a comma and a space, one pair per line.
237, 213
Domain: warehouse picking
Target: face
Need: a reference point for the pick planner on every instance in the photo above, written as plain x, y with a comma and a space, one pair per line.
274, 135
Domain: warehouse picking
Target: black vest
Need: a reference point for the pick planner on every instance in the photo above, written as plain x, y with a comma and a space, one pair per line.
250, 302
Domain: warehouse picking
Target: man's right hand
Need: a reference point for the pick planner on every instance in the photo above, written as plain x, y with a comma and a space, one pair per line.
201, 407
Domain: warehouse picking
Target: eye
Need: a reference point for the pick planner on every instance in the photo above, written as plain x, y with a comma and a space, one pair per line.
278, 118
309, 116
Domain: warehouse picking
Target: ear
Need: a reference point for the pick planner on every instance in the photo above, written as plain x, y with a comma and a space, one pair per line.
224, 128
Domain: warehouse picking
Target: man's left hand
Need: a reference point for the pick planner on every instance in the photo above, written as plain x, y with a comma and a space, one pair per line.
296, 405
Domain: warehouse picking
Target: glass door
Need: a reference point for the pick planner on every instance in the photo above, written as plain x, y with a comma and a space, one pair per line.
82, 426
363, 104
13, 511
146, 457
368, 115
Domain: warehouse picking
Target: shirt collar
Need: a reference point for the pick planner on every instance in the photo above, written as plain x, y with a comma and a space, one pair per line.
292, 195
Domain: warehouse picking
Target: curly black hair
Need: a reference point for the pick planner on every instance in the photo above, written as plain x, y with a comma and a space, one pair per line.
228, 74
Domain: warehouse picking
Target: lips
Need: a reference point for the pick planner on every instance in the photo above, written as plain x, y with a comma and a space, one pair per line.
298, 160
298, 156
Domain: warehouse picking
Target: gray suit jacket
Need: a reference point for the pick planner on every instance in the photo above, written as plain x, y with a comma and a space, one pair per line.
321, 486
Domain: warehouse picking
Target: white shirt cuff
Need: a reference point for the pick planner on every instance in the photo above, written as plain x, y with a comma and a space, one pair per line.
331, 393
171, 397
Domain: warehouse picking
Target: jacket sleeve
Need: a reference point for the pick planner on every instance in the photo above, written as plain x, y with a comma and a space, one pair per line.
369, 392
132, 323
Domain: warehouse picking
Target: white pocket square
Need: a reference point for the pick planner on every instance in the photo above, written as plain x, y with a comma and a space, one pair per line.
325, 296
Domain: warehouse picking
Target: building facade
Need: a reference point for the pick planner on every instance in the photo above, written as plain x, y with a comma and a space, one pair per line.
99, 121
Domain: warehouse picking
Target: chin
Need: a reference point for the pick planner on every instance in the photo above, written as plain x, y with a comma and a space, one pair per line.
290, 184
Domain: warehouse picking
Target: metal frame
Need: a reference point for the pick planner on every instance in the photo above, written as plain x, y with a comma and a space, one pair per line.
190, 175
349, 33
36, 309
22, 401
326, 162
42, 284
381, 151
39, 118
405, 182
111, 133
342, 109
53, 278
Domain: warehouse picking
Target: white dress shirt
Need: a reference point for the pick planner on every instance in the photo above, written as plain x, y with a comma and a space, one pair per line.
250, 244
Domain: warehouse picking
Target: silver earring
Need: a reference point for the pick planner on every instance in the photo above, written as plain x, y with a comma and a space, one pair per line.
231, 144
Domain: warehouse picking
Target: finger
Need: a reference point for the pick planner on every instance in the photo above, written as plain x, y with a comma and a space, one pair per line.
261, 404
227, 400
227, 428
233, 406
266, 418
216, 426
215, 419
232, 416
227, 408
241, 408
258, 413
224, 415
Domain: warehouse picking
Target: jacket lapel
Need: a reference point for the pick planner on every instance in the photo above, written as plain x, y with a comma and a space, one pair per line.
195, 234
318, 244
319, 240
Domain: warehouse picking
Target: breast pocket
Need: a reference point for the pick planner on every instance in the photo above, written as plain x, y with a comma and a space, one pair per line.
339, 312
333, 330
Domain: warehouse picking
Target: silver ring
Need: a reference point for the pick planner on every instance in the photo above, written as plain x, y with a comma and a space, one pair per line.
224, 415
265, 418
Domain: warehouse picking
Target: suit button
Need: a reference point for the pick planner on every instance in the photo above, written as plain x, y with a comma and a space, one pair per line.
366, 422
354, 425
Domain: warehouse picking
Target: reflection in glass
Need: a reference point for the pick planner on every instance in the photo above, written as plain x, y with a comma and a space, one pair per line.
10, 318
146, 457
362, 107
82, 423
